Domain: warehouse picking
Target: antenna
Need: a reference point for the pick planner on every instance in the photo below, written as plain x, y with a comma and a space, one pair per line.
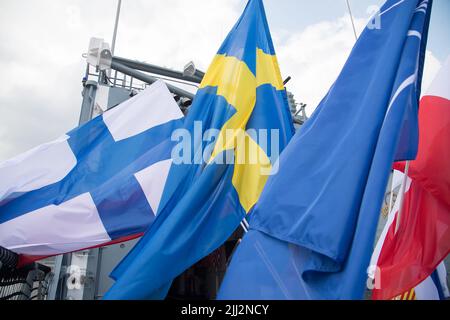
113, 43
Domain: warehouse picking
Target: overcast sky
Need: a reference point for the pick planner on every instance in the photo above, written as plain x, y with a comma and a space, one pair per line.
42, 42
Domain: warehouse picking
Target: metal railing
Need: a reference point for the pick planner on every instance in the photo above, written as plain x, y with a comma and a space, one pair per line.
29, 282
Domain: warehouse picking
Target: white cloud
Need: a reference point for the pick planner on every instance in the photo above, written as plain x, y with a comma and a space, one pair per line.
41, 43
173, 32
315, 56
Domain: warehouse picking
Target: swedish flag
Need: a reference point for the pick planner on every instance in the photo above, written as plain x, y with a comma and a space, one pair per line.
241, 107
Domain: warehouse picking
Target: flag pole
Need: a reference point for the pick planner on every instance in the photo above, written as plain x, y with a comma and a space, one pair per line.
402, 194
116, 24
391, 195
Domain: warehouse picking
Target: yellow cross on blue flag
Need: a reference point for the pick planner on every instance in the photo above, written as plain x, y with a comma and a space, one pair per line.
237, 126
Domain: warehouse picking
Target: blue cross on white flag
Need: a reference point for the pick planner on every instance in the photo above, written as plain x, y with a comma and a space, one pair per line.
100, 182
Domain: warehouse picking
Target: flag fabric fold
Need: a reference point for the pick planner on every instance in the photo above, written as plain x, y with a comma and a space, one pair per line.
312, 232
241, 106
432, 288
99, 183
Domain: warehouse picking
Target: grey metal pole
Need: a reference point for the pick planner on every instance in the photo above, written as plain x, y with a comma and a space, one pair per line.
116, 24
401, 196
148, 79
146, 67
351, 18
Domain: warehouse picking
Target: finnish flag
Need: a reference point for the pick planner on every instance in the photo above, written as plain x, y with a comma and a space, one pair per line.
100, 182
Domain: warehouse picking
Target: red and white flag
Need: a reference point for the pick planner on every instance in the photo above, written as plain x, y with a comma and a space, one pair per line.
415, 242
